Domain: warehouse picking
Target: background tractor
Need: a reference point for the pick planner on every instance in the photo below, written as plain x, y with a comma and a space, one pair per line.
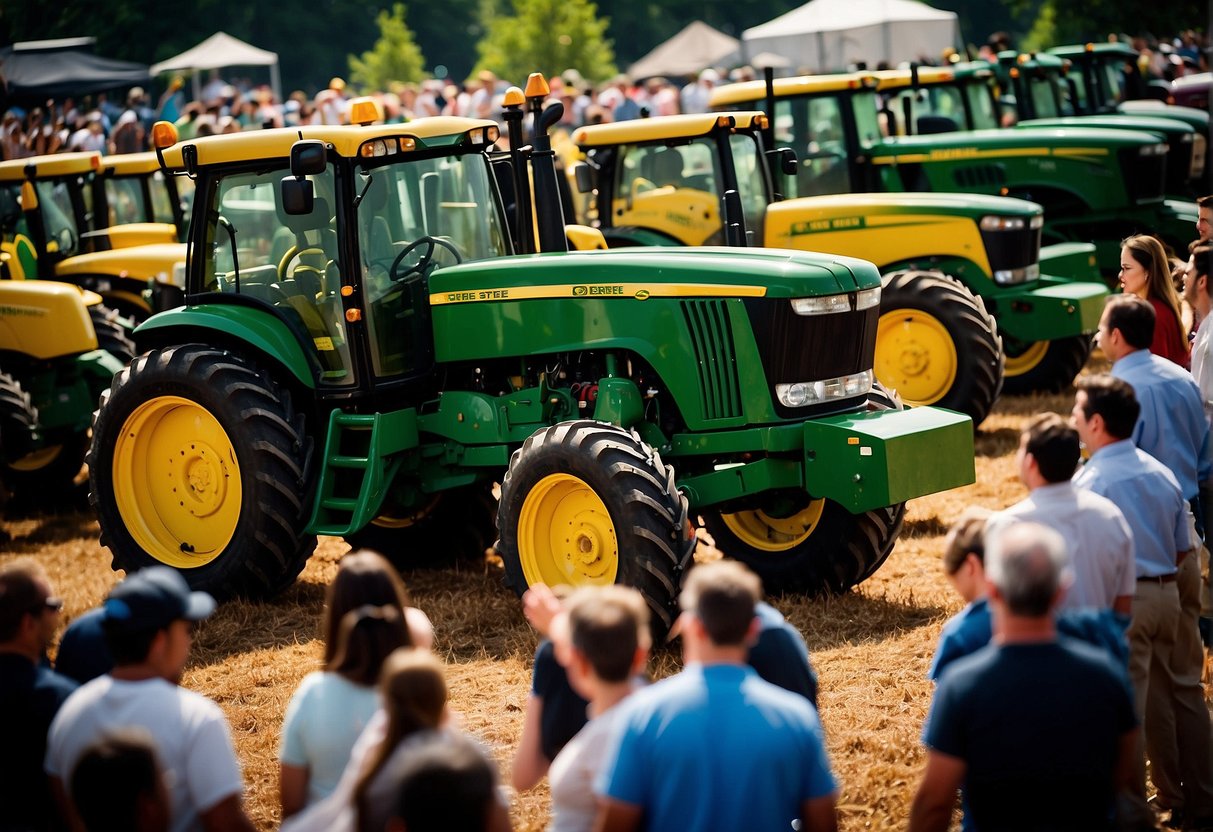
1096, 185
945, 258
51, 374
52, 223
362, 352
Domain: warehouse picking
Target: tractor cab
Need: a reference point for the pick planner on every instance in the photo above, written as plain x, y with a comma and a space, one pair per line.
55, 210
337, 234
136, 203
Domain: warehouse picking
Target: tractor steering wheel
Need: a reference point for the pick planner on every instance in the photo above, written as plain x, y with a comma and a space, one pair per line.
422, 265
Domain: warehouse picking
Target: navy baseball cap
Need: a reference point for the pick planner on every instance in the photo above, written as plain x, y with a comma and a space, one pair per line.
153, 598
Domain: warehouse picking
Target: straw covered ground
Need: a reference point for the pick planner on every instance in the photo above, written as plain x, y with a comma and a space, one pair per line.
871, 646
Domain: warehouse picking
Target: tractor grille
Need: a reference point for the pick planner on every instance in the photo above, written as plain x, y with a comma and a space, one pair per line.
1010, 250
979, 176
797, 348
1143, 175
712, 336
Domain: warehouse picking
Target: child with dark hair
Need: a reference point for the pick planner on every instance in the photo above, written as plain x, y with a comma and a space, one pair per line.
446, 784
117, 785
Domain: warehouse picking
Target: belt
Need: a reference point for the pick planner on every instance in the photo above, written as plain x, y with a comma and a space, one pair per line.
1157, 579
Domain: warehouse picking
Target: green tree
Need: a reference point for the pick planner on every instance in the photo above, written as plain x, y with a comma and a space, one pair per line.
547, 36
394, 57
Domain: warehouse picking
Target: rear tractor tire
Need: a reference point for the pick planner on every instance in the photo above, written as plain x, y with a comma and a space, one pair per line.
1044, 366
113, 332
589, 503
799, 544
200, 462
18, 424
937, 345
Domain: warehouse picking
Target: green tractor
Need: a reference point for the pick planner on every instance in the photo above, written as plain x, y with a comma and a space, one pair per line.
52, 371
369, 343
945, 258
1096, 185
1044, 91
51, 218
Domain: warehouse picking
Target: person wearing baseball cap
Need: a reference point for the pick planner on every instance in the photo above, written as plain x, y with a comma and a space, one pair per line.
148, 621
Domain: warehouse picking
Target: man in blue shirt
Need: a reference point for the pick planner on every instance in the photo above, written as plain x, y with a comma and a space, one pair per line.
716, 747
1038, 729
1105, 412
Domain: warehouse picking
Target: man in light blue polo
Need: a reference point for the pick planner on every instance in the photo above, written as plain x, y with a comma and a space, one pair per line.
1105, 412
716, 747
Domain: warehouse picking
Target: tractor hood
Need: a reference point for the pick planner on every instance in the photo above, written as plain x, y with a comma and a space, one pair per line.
1035, 141
140, 262
650, 273
952, 205
1154, 124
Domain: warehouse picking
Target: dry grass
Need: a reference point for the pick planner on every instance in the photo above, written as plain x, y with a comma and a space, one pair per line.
871, 647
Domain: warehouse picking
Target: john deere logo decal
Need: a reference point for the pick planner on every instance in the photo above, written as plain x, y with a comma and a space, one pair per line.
642, 294
580, 290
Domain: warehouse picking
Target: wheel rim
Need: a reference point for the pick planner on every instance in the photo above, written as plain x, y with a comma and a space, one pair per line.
37, 460
565, 534
763, 531
401, 518
177, 482
915, 355
1026, 359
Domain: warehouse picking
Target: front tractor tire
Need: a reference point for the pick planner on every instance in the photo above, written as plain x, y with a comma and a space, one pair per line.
937, 345
799, 544
589, 503
1045, 366
200, 462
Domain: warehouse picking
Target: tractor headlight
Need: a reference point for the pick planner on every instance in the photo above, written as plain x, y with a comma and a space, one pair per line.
832, 304
805, 393
997, 223
1007, 277
1152, 150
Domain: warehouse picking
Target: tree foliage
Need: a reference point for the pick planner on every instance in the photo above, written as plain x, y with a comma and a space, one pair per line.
394, 57
547, 36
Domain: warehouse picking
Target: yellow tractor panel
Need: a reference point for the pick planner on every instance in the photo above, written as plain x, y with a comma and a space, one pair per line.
154, 261
690, 216
840, 229
138, 234
44, 319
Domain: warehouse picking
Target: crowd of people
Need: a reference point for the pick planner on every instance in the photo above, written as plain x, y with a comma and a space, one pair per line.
124, 126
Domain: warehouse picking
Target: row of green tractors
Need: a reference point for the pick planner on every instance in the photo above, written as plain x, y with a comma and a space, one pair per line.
381, 323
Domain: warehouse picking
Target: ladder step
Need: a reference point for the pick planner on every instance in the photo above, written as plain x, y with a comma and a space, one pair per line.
349, 461
339, 503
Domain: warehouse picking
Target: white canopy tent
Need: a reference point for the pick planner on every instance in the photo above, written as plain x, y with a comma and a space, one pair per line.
827, 35
218, 51
695, 48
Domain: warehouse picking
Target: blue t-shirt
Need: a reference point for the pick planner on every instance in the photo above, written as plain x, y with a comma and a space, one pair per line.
780, 655
1039, 728
30, 696
716, 748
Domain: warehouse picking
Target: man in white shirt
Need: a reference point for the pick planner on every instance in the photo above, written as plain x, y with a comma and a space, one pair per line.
1196, 293
148, 623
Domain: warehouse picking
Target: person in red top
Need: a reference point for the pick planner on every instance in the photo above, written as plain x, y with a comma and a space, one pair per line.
1145, 272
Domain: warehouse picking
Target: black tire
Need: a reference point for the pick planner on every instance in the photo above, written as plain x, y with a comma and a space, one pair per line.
969, 377
113, 332
842, 550
649, 536
41, 464
18, 421
1050, 372
205, 425
458, 525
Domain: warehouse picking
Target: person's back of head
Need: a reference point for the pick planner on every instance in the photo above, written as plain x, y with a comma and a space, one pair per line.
445, 784
116, 785
1113, 400
722, 595
368, 635
1053, 443
608, 625
966, 537
1028, 565
1134, 317
1202, 265
364, 577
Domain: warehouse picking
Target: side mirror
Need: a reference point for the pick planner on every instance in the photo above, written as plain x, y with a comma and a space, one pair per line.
787, 161
584, 176
298, 196
308, 157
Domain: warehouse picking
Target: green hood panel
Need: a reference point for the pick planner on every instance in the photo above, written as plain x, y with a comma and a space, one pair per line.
1047, 141
916, 203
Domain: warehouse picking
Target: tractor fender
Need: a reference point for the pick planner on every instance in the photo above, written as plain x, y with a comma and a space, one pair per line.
230, 325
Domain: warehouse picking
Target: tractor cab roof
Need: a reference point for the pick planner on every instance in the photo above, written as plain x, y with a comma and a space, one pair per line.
786, 87
349, 141
130, 164
49, 167
893, 79
1078, 50
662, 128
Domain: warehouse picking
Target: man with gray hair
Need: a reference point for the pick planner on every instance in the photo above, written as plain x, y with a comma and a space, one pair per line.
1033, 726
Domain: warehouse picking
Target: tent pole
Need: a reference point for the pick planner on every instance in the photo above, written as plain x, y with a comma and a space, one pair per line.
822, 66
275, 81
196, 85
